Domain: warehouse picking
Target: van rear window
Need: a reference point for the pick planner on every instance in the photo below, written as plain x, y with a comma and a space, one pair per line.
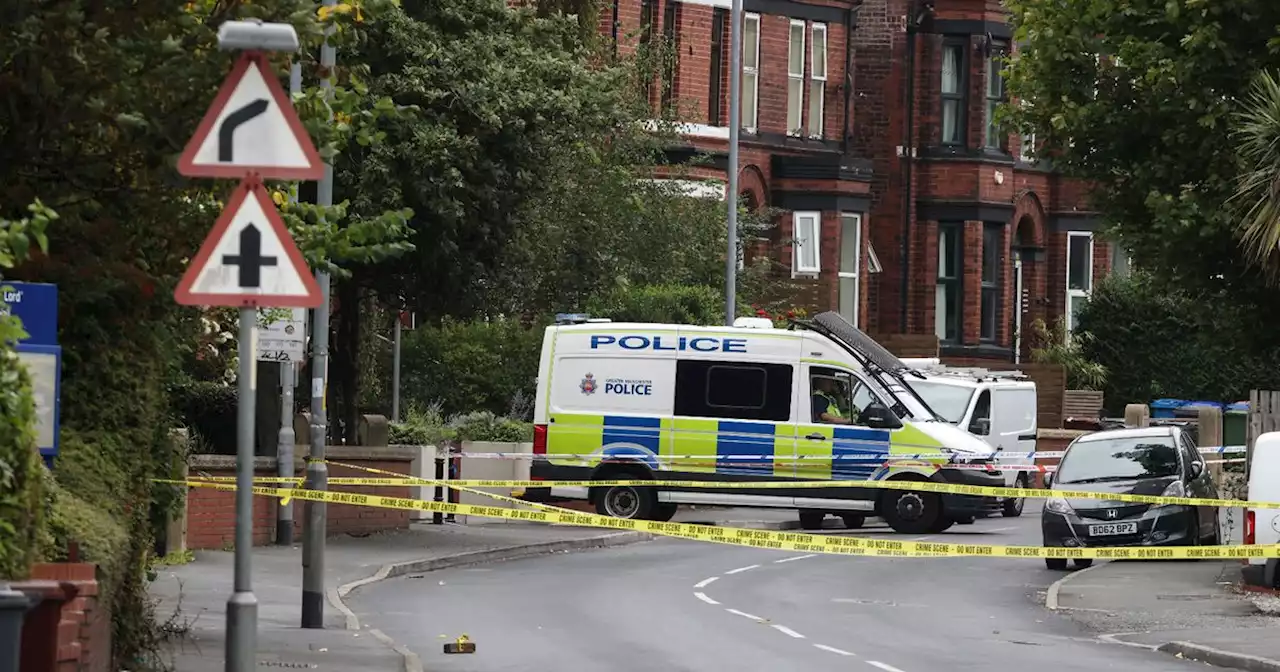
709, 389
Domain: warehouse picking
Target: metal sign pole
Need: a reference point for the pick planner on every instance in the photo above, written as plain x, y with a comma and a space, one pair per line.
284, 452
731, 194
395, 374
316, 521
242, 608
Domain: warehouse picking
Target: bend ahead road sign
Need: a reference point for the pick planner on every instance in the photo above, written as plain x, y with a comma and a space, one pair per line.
251, 127
249, 259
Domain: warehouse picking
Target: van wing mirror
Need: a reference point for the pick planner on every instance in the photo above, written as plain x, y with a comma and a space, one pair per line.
877, 416
980, 426
1048, 479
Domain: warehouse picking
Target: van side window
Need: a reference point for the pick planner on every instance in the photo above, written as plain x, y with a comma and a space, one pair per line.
733, 390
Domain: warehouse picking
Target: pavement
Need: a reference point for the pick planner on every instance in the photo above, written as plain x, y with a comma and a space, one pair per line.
1191, 609
686, 606
191, 599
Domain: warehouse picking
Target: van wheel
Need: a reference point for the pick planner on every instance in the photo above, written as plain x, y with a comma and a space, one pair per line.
1056, 564
624, 501
944, 523
853, 521
1013, 507
665, 511
910, 512
812, 520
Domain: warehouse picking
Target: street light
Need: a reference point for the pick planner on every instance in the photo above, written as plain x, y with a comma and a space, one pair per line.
254, 35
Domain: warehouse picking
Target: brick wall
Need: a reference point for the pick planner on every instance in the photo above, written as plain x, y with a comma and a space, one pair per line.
83, 637
211, 513
1052, 440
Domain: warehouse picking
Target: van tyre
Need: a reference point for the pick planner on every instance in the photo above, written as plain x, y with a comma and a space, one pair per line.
911, 512
1013, 507
1083, 563
665, 511
624, 501
1056, 564
812, 520
853, 521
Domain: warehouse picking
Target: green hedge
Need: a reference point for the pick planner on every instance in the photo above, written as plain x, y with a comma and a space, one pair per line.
209, 411
1157, 342
21, 470
672, 304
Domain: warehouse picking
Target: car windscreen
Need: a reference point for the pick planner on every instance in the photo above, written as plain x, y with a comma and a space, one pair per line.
949, 401
1119, 459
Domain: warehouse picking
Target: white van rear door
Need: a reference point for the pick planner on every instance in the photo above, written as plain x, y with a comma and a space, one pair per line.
1264, 486
1013, 424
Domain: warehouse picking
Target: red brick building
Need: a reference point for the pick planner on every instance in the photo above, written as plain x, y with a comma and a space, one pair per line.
868, 123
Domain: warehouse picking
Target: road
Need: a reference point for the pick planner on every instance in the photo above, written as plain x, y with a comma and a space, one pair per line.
675, 605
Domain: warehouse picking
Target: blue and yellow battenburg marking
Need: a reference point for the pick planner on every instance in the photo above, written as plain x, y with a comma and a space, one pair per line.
731, 445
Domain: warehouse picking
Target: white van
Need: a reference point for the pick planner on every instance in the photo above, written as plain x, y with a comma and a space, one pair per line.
1262, 526
997, 406
822, 401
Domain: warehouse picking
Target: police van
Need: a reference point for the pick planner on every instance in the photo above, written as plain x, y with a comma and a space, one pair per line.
818, 401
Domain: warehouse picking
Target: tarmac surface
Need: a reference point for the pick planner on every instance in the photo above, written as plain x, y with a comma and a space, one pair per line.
676, 605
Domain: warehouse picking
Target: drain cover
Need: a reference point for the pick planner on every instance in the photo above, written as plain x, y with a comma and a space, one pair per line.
288, 664
1184, 598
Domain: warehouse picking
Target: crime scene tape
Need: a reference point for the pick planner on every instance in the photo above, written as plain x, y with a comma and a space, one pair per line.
768, 539
917, 486
855, 457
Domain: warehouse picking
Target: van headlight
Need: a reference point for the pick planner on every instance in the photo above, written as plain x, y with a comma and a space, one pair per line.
1057, 505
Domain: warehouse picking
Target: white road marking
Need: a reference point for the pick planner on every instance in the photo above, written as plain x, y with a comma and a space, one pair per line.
788, 631
797, 557
744, 614
741, 569
1001, 529
705, 582
704, 598
832, 649
884, 666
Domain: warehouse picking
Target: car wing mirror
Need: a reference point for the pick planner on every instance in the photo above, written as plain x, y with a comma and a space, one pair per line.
1048, 479
1197, 468
876, 416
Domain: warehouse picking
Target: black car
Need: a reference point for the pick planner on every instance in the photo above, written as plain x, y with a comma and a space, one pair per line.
1147, 461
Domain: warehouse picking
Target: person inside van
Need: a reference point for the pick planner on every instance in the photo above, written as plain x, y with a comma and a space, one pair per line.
826, 390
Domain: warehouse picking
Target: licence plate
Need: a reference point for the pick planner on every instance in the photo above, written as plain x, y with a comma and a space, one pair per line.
1108, 529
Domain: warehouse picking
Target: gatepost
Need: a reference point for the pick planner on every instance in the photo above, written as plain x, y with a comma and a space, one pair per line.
249, 260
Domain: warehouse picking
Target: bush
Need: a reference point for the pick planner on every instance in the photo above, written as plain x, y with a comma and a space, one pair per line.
209, 411
1159, 342
485, 426
662, 304
468, 366
21, 470
421, 427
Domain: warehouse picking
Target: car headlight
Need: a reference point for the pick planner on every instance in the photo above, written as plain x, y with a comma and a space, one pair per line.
1057, 505
1175, 489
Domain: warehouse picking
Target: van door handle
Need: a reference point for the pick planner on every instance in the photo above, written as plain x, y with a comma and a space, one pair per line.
816, 437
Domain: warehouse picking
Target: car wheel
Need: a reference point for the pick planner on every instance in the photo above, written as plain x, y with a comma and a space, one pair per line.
625, 501
944, 523
1056, 564
1083, 563
665, 512
853, 521
910, 512
1013, 507
812, 520
964, 520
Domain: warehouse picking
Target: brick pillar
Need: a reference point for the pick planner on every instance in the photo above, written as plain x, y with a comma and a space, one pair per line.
971, 284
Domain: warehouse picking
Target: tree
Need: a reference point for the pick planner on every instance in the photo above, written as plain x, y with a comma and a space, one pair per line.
1155, 138
99, 100
1257, 135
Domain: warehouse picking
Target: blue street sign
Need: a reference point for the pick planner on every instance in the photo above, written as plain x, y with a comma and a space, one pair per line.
36, 304
44, 365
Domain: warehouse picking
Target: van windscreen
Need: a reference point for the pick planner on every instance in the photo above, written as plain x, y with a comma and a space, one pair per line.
949, 401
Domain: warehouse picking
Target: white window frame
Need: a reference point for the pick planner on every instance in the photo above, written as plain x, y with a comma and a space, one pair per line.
1028, 146
795, 80
1077, 293
818, 83
856, 273
749, 119
812, 219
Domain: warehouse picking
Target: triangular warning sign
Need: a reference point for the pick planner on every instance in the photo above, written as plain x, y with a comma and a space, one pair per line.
249, 260
251, 127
